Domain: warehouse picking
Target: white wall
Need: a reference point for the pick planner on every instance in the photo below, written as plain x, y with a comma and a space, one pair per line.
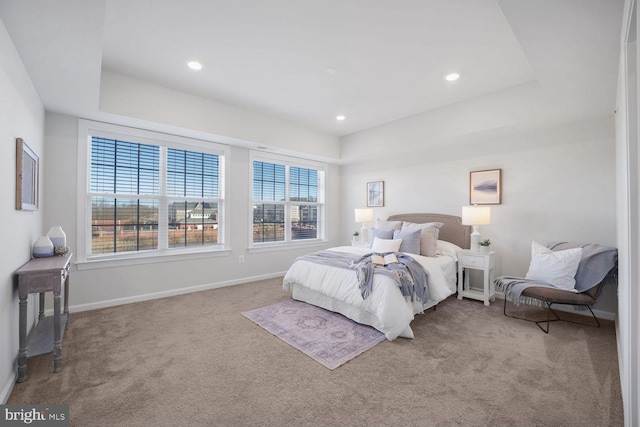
107, 286
21, 115
127, 97
558, 184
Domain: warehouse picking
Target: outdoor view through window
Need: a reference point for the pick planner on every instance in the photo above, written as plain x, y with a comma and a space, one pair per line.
128, 199
280, 215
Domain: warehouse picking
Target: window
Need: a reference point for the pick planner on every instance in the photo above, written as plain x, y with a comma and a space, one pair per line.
192, 184
288, 201
148, 194
124, 193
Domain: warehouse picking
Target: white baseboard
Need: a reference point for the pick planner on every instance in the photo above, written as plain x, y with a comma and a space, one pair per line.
599, 314
164, 294
8, 387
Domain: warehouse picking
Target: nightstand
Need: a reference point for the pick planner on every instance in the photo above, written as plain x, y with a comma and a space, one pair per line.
476, 261
359, 244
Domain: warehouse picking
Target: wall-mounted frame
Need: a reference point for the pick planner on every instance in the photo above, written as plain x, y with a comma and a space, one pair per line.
375, 194
485, 187
27, 177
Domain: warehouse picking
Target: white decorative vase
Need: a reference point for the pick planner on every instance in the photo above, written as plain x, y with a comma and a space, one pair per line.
484, 249
57, 236
43, 247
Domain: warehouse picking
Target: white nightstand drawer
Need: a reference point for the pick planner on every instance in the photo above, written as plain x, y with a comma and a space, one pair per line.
471, 260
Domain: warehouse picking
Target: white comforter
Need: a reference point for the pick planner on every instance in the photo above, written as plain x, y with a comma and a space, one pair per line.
391, 313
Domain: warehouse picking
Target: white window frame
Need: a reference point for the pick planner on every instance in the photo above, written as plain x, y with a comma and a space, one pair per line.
289, 162
84, 260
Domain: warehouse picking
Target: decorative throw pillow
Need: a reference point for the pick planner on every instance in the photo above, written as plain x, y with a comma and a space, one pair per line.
388, 225
428, 237
381, 233
557, 268
384, 245
410, 241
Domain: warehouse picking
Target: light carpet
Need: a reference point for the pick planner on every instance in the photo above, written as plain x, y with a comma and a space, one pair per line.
194, 360
328, 338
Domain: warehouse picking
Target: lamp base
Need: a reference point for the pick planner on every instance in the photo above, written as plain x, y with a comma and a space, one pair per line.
476, 237
364, 233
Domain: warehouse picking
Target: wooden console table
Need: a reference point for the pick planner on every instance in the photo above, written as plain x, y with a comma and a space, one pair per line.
42, 275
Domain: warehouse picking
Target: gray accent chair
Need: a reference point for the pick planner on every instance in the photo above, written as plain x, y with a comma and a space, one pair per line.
558, 296
597, 268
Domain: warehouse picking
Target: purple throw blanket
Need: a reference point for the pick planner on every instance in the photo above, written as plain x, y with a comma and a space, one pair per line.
597, 261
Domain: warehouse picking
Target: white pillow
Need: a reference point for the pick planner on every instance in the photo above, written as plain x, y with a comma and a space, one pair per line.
448, 249
557, 268
388, 225
385, 245
428, 237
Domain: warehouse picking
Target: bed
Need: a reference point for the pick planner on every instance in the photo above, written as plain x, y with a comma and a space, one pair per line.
386, 309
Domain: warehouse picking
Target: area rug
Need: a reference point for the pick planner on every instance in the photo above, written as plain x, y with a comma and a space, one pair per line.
328, 338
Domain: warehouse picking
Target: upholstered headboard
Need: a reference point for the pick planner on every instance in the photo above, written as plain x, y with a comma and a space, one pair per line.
452, 231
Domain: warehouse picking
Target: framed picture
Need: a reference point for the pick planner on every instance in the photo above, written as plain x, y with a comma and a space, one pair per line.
375, 193
27, 176
485, 187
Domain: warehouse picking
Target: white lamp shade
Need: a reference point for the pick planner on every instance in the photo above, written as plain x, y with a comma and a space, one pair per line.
476, 215
364, 215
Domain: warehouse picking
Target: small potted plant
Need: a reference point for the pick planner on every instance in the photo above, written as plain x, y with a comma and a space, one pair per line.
356, 236
484, 246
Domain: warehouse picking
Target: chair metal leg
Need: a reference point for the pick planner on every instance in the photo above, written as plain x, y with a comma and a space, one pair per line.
537, 322
549, 319
597, 325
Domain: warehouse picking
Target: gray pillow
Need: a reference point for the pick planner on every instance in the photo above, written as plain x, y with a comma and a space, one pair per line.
429, 237
388, 225
410, 241
380, 234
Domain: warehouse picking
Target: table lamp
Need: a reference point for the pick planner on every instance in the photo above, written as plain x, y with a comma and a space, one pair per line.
364, 215
475, 216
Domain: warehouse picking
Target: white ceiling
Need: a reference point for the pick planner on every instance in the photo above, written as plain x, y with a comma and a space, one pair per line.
389, 57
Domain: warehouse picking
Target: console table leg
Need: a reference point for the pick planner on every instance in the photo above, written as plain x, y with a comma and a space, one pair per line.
41, 302
22, 352
66, 301
57, 339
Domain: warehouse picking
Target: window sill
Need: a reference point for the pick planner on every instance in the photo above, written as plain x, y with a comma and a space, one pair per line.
149, 258
270, 247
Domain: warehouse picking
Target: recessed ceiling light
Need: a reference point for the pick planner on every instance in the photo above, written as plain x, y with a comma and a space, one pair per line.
452, 77
340, 118
194, 65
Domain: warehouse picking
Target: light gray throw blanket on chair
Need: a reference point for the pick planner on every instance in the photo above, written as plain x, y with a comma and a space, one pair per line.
597, 261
